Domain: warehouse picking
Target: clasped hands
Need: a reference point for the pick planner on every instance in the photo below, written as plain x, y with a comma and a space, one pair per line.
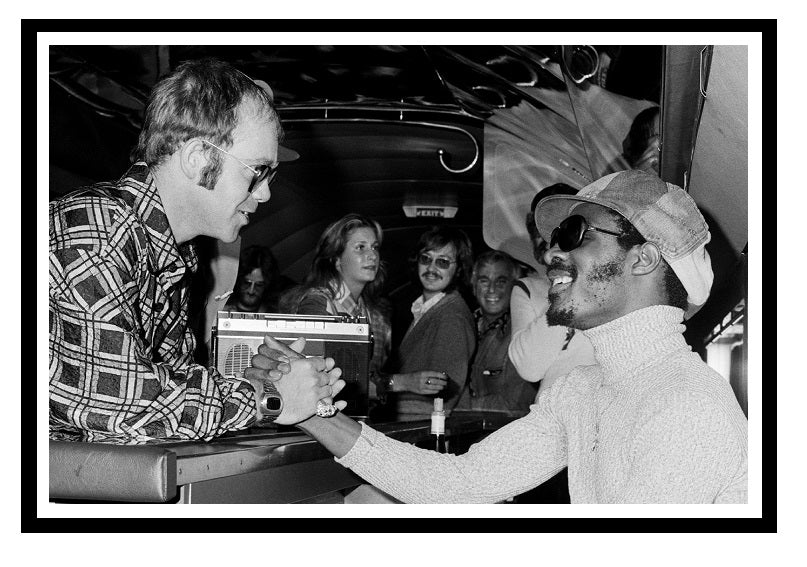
301, 381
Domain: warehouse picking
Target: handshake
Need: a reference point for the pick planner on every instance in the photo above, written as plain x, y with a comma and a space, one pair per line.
305, 386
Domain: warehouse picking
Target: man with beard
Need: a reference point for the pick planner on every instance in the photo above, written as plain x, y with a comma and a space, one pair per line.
257, 283
649, 423
435, 353
542, 353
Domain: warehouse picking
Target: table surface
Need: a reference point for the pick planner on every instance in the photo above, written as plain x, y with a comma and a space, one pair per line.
264, 460
258, 449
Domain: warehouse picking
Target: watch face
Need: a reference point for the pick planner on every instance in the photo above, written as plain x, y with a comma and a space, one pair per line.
272, 403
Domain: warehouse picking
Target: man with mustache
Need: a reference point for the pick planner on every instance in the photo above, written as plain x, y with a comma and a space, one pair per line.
542, 353
434, 354
258, 282
649, 423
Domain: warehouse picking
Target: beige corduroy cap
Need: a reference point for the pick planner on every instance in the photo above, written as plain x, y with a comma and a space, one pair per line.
663, 213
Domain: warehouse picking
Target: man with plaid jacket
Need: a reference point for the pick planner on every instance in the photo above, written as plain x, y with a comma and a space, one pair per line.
121, 261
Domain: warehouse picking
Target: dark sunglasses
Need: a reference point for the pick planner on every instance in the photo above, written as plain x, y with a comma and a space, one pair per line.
569, 234
442, 263
259, 172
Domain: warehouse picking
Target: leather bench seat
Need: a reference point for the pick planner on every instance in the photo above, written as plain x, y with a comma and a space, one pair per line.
123, 473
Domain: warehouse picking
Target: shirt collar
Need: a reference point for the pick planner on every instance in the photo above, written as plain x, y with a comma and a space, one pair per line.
500, 323
345, 302
419, 307
139, 189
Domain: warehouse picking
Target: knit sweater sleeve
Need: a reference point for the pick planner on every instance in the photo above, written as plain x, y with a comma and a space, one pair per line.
689, 451
510, 461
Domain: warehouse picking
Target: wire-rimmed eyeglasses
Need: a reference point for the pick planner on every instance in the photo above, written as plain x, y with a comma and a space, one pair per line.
442, 263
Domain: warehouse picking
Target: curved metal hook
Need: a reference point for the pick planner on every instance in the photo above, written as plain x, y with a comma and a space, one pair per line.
441, 151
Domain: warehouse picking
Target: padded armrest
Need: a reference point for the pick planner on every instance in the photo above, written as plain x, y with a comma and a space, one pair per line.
124, 473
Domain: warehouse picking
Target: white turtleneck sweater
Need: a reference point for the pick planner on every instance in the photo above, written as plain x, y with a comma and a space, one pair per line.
651, 423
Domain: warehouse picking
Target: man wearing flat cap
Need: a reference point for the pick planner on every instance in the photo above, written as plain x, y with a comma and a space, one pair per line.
649, 423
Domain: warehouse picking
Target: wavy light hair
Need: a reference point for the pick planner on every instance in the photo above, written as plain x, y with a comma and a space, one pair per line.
200, 99
331, 245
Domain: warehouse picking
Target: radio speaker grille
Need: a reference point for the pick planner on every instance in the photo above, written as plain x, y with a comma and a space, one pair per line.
238, 359
353, 364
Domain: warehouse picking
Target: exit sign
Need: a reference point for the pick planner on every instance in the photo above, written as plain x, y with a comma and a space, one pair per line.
414, 211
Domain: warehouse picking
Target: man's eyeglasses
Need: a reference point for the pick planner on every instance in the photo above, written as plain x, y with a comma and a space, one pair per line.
246, 284
259, 172
569, 234
442, 263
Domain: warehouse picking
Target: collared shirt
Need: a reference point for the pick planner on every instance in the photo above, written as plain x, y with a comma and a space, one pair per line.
322, 301
443, 340
346, 304
420, 307
121, 365
500, 324
494, 382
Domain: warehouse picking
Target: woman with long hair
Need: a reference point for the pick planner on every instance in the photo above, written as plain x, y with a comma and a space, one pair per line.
346, 278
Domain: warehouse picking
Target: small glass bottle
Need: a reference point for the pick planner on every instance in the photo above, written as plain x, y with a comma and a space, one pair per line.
438, 427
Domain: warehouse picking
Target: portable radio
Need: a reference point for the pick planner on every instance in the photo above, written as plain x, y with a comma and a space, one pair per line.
348, 340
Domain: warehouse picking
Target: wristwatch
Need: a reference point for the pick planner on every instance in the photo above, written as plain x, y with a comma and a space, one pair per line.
268, 400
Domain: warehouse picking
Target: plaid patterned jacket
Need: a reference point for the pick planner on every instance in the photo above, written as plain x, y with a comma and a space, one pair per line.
121, 366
